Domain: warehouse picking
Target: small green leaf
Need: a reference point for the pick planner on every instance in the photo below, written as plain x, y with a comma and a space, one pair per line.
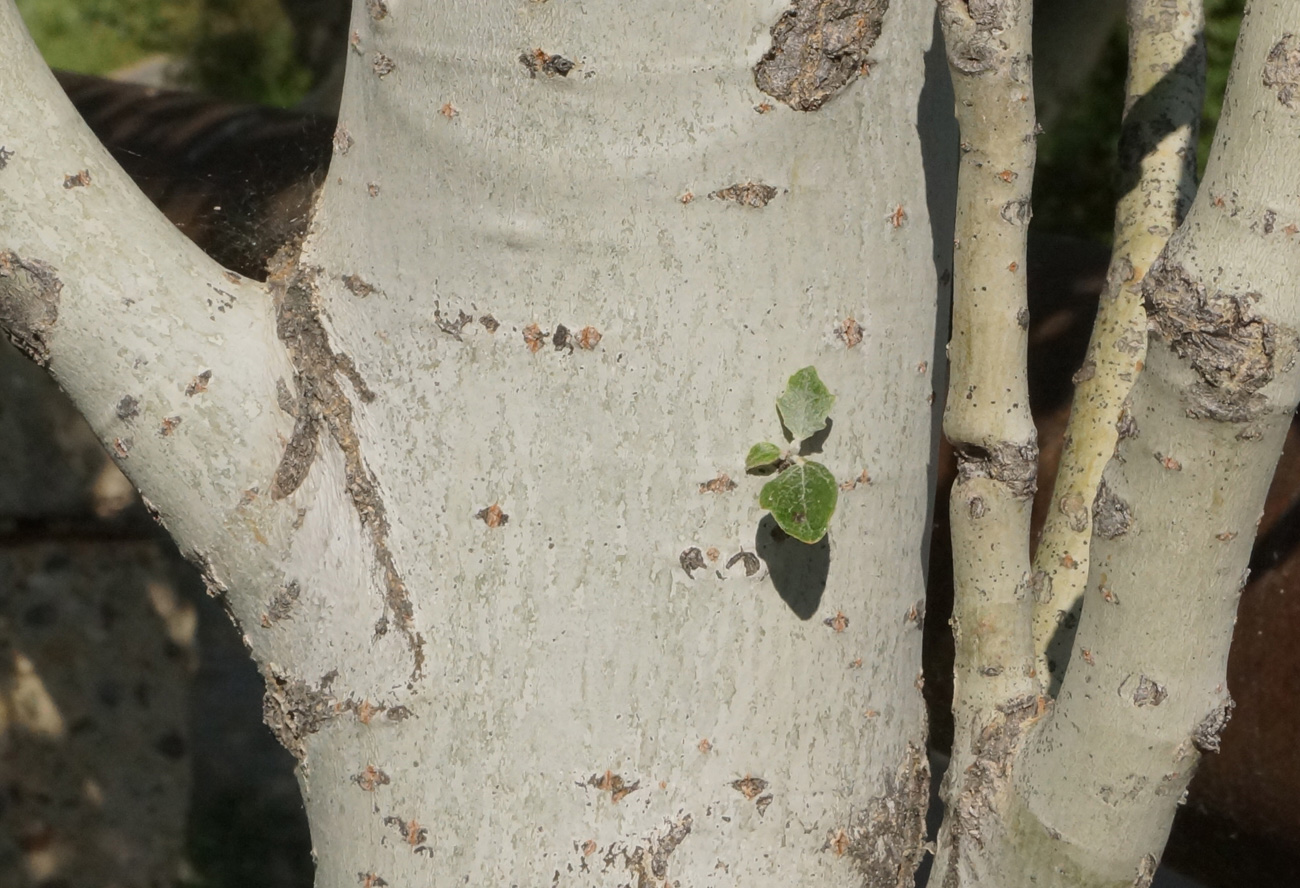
761, 456
802, 500
805, 405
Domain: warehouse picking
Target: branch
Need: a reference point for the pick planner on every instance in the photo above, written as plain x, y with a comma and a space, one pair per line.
1145, 691
1166, 87
987, 415
173, 359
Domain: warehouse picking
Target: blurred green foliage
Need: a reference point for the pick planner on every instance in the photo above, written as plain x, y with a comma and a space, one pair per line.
236, 49
1075, 181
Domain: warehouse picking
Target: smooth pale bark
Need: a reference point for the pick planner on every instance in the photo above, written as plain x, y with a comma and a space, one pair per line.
563, 693
1163, 97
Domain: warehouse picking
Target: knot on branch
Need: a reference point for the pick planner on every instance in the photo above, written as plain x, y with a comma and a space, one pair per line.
1015, 465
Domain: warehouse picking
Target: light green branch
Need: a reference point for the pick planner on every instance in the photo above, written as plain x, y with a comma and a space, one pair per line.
1166, 86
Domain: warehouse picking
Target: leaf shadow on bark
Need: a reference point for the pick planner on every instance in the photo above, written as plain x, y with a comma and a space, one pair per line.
798, 570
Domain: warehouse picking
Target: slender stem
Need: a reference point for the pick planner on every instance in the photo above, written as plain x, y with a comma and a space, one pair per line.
1166, 86
987, 415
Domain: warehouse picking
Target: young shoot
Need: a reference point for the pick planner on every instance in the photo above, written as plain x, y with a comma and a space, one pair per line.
803, 495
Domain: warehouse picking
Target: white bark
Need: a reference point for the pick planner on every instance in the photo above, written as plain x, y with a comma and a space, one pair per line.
466, 698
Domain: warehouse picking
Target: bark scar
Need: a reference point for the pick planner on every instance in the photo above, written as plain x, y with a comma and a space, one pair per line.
887, 838
1232, 348
29, 304
323, 404
819, 47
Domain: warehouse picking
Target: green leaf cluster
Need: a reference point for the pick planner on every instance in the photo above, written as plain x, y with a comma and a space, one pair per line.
803, 495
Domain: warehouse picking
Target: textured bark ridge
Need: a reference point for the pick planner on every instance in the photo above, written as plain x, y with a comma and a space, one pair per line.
818, 48
1234, 350
986, 782
887, 839
29, 304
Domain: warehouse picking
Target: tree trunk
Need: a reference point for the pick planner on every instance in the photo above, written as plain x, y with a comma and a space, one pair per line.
469, 469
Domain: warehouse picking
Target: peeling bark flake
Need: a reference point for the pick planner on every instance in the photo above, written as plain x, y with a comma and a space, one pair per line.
29, 304
1219, 334
887, 838
1282, 71
819, 47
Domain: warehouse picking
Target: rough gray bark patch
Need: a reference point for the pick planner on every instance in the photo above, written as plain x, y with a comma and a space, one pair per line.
988, 779
1232, 348
1111, 516
280, 607
1282, 71
29, 304
292, 710
818, 48
887, 839
1206, 734
1015, 465
1146, 872
747, 194
1149, 692
650, 862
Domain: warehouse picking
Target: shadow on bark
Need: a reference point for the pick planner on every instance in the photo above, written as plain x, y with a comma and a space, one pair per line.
798, 570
